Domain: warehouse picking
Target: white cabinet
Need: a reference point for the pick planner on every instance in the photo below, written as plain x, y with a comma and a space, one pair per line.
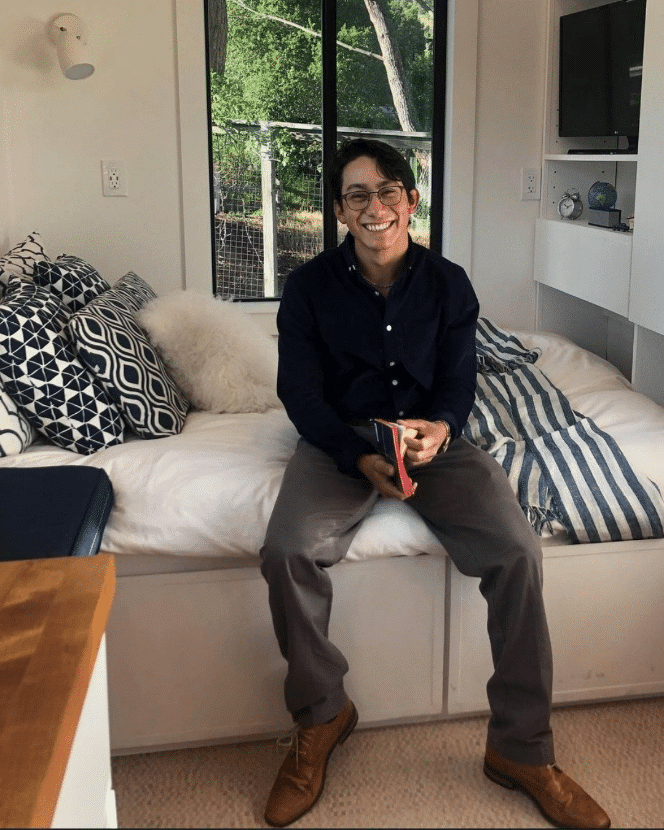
155, 647
590, 263
599, 286
86, 796
624, 576
646, 306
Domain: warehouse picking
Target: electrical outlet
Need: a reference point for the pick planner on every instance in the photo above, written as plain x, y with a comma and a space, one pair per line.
113, 178
530, 183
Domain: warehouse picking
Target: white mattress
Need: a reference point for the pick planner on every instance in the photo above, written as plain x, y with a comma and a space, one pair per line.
208, 492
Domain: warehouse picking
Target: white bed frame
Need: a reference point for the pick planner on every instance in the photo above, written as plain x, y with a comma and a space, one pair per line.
193, 659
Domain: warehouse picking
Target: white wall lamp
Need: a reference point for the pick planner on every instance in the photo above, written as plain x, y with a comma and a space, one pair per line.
70, 37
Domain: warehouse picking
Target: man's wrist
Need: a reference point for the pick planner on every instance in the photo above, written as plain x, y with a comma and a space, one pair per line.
448, 436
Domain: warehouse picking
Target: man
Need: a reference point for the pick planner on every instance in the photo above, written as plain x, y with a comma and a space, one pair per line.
382, 327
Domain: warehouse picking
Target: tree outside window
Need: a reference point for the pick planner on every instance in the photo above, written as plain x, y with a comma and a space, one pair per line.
265, 61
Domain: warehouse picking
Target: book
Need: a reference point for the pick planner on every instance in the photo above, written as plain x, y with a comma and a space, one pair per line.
390, 438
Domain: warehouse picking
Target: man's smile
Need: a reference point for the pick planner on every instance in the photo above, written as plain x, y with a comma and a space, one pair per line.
381, 227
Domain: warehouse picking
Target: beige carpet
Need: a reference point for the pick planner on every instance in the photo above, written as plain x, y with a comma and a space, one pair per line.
423, 775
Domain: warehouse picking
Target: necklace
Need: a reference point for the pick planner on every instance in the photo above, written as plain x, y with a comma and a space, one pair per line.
377, 284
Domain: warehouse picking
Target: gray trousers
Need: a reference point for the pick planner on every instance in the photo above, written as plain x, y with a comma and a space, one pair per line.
466, 500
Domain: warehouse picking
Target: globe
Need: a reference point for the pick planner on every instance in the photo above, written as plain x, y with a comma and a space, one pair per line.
602, 196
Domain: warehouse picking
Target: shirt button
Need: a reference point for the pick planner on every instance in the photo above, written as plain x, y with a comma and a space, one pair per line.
389, 328
377, 293
401, 414
395, 383
391, 363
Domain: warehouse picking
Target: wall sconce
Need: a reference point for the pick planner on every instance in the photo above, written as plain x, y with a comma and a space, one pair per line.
70, 37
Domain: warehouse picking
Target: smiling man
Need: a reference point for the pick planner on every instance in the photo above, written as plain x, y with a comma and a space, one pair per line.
383, 327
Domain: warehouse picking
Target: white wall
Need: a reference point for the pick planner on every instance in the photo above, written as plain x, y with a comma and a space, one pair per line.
55, 132
509, 118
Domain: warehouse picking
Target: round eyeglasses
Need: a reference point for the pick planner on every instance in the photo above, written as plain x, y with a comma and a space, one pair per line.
388, 195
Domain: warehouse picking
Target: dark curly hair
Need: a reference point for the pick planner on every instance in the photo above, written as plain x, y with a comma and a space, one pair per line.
388, 160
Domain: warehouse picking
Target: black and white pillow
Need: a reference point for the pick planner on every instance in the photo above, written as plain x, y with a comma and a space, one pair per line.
115, 349
16, 432
71, 279
133, 291
41, 373
22, 258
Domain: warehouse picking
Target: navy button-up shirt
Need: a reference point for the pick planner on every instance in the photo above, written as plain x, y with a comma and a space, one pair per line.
347, 353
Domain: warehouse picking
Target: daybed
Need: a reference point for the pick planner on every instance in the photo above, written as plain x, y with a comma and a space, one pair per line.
191, 653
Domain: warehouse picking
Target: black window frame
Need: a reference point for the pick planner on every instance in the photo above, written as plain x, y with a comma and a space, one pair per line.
330, 125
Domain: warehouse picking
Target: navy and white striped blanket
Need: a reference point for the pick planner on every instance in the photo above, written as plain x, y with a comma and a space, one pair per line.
559, 463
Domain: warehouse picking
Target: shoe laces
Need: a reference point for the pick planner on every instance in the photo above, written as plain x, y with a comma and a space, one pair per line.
295, 739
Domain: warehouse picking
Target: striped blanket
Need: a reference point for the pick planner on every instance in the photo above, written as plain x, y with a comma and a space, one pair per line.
559, 463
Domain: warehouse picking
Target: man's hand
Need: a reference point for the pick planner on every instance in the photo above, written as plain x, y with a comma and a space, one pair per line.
379, 471
430, 437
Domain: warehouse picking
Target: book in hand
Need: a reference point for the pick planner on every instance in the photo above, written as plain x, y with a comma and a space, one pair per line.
390, 440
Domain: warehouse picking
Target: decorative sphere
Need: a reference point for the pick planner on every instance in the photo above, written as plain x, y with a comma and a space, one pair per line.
602, 196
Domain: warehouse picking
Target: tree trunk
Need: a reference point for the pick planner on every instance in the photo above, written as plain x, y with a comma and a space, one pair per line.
217, 35
396, 76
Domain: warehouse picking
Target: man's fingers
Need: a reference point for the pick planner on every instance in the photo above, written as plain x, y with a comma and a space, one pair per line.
379, 471
416, 423
385, 468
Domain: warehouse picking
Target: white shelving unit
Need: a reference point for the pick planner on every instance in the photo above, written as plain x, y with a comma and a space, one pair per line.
595, 285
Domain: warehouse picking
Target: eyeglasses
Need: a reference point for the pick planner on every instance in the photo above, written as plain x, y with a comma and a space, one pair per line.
388, 195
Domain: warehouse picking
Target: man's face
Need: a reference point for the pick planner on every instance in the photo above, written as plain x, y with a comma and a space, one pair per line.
377, 227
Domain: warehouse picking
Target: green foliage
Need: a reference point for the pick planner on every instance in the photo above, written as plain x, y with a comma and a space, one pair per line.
273, 73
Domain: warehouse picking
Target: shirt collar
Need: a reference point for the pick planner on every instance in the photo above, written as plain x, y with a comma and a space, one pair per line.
347, 249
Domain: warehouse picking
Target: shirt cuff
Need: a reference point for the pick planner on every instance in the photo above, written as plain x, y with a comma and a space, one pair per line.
347, 457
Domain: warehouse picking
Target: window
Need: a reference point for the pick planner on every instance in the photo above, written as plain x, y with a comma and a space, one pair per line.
288, 78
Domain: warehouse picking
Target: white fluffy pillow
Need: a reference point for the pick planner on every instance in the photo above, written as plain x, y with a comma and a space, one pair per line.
218, 356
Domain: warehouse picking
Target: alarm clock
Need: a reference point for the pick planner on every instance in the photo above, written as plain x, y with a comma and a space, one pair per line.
570, 206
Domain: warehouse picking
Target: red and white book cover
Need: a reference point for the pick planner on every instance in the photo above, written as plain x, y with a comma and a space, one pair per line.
390, 440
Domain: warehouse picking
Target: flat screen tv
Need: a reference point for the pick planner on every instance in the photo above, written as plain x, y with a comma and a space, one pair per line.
601, 60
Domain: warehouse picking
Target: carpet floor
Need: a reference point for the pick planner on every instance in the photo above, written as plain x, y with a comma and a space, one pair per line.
420, 775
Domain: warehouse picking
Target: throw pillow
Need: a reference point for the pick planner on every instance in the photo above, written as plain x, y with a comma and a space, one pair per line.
22, 258
110, 343
133, 291
220, 358
16, 432
71, 279
40, 372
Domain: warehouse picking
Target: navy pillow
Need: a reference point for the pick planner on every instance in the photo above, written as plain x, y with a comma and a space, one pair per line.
22, 258
41, 373
71, 279
113, 346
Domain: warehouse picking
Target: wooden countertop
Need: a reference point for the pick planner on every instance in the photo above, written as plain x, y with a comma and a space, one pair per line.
53, 614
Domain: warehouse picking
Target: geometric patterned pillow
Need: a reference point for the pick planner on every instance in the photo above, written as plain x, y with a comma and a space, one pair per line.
22, 258
16, 432
114, 348
71, 279
133, 291
40, 372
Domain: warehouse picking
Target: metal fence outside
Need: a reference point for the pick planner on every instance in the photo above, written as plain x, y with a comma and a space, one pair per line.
268, 218
239, 201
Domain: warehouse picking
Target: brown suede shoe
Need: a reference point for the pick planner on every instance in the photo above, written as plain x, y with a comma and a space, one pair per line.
301, 778
561, 800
